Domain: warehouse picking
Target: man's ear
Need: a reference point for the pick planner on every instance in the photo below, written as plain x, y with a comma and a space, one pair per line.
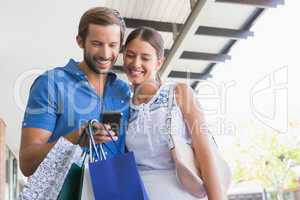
80, 42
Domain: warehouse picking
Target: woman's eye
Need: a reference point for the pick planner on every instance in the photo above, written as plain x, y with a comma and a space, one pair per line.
129, 55
145, 59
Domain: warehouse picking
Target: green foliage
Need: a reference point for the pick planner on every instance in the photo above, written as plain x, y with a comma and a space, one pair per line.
266, 156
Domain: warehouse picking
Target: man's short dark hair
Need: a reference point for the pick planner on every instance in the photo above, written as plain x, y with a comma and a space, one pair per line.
101, 16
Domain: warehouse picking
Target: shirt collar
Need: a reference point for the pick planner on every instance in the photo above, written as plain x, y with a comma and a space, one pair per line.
73, 68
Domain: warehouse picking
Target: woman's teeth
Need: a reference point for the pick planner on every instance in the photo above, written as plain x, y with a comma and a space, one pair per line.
136, 72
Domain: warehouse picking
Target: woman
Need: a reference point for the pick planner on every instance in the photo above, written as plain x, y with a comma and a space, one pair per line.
143, 57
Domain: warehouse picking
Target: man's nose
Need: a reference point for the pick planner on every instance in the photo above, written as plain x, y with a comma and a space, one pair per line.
105, 52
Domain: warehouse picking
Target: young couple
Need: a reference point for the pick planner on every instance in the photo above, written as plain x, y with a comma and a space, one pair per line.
61, 99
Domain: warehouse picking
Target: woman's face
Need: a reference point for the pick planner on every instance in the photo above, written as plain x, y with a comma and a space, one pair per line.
140, 61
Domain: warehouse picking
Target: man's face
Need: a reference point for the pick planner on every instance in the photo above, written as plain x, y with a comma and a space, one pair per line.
101, 47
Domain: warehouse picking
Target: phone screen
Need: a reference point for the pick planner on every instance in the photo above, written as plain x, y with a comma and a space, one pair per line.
113, 119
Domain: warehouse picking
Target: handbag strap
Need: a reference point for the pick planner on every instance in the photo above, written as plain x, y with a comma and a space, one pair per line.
169, 116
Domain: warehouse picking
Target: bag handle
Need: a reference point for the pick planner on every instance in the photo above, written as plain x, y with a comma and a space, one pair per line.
94, 155
96, 150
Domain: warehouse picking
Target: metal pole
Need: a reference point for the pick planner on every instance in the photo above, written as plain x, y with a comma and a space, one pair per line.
188, 30
2, 160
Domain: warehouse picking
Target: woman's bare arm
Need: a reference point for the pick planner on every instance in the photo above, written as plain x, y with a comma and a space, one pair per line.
194, 120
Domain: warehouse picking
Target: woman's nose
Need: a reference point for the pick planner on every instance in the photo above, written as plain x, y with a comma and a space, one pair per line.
137, 62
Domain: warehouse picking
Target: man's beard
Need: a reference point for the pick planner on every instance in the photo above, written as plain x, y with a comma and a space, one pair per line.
92, 65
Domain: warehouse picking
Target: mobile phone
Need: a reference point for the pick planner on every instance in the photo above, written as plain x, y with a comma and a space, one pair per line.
113, 119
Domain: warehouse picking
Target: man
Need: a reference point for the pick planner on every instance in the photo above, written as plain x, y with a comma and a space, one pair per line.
62, 99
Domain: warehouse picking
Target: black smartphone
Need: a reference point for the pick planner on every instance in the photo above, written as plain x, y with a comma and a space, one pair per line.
113, 119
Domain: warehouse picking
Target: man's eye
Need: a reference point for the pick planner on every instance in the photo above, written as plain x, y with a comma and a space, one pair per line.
114, 45
96, 44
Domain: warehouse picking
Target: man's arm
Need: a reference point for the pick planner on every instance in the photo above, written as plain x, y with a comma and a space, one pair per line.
34, 148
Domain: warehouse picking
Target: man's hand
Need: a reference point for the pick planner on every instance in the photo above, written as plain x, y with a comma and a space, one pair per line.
35, 147
102, 133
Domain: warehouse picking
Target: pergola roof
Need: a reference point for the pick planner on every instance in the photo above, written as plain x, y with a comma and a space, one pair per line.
198, 34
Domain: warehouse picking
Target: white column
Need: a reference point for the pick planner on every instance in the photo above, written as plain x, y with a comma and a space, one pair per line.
2, 159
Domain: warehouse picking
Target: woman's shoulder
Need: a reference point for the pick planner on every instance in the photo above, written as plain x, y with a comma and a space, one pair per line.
182, 87
179, 88
184, 95
183, 90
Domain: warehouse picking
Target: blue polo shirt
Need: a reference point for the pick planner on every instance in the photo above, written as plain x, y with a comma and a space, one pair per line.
62, 99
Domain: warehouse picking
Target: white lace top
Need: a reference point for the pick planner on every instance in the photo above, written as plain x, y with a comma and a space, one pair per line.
147, 135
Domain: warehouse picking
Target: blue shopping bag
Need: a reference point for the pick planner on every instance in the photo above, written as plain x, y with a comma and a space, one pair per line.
116, 178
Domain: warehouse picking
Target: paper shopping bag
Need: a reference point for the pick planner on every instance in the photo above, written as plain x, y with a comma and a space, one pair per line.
47, 180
